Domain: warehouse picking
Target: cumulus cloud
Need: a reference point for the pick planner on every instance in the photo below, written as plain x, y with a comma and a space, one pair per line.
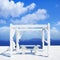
3, 21
55, 33
3, 29
12, 9
40, 14
26, 35
31, 35
31, 6
4, 33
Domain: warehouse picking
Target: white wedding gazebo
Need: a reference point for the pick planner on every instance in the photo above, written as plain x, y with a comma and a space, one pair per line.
16, 29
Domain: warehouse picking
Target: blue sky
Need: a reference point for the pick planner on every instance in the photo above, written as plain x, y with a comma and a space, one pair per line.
29, 12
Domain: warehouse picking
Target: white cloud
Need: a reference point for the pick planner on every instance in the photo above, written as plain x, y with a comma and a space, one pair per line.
4, 33
40, 14
3, 21
3, 29
26, 35
13, 9
54, 29
58, 23
31, 6
55, 33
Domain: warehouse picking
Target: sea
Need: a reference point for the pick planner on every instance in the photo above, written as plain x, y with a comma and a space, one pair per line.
30, 42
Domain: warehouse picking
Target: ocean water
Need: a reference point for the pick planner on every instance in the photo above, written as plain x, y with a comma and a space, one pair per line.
30, 42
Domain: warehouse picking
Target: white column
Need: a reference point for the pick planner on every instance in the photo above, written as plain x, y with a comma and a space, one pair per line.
48, 37
48, 34
11, 49
11, 40
43, 39
17, 45
18, 37
12, 31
